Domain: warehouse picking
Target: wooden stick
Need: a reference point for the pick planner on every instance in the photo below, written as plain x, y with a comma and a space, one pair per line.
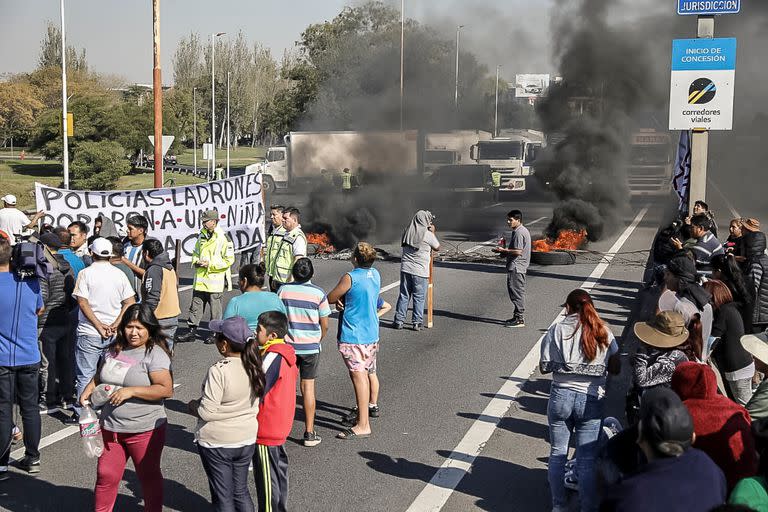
178, 257
264, 207
430, 287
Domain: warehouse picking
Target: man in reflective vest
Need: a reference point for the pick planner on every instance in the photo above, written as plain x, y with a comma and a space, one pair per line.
292, 247
212, 258
346, 181
496, 182
276, 234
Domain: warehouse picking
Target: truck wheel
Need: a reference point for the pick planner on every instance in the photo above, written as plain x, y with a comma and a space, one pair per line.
269, 184
553, 258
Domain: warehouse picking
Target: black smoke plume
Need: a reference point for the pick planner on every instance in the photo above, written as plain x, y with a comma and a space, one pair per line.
588, 116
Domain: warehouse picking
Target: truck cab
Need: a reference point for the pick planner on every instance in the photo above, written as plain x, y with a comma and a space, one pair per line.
512, 156
274, 168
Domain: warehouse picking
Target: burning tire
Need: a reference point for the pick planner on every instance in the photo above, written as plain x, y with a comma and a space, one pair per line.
553, 258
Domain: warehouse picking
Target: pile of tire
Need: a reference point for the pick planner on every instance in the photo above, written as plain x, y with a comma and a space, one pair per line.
553, 258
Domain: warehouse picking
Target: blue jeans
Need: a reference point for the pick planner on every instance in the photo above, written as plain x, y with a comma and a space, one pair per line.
19, 383
583, 413
411, 285
88, 351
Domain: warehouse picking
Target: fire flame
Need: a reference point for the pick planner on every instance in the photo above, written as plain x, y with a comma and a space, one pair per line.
322, 241
566, 240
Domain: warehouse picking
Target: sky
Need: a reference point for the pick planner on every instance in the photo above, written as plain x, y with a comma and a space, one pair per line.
117, 34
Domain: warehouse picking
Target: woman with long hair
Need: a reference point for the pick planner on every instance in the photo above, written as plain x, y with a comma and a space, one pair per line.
726, 268
133, 421
733, 361
227, 412
579, 351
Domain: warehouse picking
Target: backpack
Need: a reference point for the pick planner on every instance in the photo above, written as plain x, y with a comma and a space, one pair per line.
29, 260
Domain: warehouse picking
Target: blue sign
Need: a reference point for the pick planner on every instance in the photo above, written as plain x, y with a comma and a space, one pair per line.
708, 7
704, 54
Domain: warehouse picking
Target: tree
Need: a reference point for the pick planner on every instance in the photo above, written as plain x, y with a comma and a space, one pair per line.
98, 165
50, 52
19, 108
187, 62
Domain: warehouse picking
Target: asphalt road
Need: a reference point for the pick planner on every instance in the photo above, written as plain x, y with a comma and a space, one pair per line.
447, 395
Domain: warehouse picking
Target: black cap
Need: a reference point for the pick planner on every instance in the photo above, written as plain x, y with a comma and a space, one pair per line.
51, 240
665, 422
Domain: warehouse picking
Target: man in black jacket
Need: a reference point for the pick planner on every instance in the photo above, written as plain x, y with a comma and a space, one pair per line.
159, 287
756, 276
57, 366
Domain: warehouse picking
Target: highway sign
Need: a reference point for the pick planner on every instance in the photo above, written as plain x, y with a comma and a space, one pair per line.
167, 141
708, 7
702, 88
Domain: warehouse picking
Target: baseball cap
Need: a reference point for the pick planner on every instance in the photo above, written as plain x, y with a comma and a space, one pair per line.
51, 240
235, 329
101, 247
9, 199
665, 422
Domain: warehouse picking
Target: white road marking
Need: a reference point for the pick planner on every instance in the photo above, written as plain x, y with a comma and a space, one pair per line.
436, 493
46, 441
730, 206
493, 241
492, 206
389, 287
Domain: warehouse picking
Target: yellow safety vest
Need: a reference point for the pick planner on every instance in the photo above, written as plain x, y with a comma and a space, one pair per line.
496, 178
285, 256
270, 255
219, 251
346, 181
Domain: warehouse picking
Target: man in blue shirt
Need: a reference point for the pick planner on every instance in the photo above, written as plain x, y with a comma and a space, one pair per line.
22, 302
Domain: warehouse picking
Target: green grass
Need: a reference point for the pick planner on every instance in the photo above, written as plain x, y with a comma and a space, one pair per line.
18, 177
240, 156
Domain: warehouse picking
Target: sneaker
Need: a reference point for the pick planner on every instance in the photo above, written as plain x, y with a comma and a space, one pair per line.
373, 411
417, 327
210, 340
72, 420
611, 427
515, 322
187, 337
397, 325
312, 439
571, 481
17, 435
42, 404
29, 464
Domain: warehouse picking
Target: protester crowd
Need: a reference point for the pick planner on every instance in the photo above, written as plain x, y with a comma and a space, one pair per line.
697, 409
91, 324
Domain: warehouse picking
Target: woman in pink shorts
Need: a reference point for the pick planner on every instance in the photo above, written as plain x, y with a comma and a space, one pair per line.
358, 294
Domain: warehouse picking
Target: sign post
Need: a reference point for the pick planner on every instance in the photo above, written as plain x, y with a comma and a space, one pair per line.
701, 94
430, 291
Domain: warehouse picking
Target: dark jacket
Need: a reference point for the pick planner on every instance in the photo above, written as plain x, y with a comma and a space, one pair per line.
159, 288
723, 427
690, 482
57, 293
756, 274
758, 404
729, 327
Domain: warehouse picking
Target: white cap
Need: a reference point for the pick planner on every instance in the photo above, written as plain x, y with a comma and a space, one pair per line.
101, 247
9, 199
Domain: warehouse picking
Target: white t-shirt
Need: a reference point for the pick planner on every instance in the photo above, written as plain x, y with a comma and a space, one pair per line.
13, 221
669, 301
105, 287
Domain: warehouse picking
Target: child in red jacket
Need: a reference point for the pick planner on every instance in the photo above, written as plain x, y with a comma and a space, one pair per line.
276, 410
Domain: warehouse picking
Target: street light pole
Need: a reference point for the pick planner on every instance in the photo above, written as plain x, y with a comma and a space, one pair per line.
402, 58
194, 125
213, 98
228, 120
496, 115
65, 154
157, 86
456, 95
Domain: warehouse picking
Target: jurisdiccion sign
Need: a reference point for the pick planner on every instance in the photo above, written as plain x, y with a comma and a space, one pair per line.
702, 89
708, 7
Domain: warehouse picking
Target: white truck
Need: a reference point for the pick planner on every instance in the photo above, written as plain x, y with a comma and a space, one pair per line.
511, 154
650, 163
309, 157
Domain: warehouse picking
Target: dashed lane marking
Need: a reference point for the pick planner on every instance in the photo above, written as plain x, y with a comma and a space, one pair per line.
436, 493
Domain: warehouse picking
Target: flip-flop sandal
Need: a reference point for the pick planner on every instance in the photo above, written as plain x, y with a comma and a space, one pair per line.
348, 434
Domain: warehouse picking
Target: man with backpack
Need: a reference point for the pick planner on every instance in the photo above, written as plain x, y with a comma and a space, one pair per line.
53, 326
21, 302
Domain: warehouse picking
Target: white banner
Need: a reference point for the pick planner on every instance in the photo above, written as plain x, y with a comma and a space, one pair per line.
173, 213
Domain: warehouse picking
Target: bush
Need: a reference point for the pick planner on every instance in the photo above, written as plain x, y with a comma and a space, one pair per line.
98, 165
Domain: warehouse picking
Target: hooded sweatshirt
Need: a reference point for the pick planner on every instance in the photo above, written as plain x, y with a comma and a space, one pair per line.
159, 288
722, 426
278, 404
